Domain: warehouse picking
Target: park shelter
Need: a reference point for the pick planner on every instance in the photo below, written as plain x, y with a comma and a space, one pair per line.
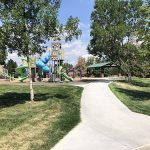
101, 67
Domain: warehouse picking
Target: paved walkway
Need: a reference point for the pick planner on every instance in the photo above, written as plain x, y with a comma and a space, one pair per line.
106, 123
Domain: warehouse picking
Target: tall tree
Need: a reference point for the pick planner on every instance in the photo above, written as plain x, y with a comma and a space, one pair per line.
3, 56
11, 66
113, 24
28, 24
81, 64
90, 60
3, 52
144, 37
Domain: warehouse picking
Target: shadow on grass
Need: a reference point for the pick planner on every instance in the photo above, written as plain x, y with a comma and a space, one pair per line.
95, 80
135, 94
140, 83
12, 98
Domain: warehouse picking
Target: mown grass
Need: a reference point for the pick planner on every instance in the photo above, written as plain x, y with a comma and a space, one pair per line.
136, 96
37, 126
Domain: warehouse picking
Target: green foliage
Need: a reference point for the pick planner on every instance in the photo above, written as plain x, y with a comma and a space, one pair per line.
29, 24
114, 26
11, 66
67, 66
2, 57
72, 29
112, 71
90, 60
108, 29
3, 53
128, 56
144, 24
81, 65
94, 60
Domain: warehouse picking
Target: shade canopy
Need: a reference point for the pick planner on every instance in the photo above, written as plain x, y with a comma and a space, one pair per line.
100, 65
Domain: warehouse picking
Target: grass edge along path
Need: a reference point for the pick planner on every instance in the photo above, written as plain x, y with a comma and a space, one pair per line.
136, 96
38, 126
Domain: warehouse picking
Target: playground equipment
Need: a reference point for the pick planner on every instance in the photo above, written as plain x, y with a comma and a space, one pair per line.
53, 69
57, 58
63, 74
42, 63
23, 69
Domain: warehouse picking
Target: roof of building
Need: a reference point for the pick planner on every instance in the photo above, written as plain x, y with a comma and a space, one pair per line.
99, 65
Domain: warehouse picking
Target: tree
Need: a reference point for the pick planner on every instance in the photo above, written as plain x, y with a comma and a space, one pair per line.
81, 64
90, 60
3, 52
28, 24
99, 60
11, 66
67, 66
144, 34
113, 24
3, 57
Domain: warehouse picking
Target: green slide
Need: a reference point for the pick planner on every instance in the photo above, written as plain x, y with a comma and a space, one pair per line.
66, 76
22, 70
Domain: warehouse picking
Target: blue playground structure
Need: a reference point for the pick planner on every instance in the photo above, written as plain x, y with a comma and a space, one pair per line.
53, 69
42, 63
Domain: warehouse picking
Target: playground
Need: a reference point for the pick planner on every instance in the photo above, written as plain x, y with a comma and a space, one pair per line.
68, 108
74, 75
56, 111
51, 65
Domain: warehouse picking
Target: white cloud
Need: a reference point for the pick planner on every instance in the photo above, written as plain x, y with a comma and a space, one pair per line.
84, 26
73, 50
85, 31
87, 55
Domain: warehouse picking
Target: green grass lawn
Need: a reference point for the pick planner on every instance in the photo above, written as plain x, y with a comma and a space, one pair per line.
37, 126
135, 95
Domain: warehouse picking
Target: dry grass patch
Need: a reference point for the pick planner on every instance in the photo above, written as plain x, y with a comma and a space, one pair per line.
27, 126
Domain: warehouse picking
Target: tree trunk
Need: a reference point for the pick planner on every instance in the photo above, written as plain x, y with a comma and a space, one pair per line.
129, 75
30, 81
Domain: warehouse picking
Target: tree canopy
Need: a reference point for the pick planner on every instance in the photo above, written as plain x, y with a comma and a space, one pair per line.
3, 56
28, 24
114, 25
11, 66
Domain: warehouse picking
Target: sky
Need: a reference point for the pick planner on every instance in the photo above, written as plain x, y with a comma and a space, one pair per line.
77, 8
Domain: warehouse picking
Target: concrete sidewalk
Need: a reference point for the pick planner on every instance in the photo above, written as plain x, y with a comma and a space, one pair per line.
106, 123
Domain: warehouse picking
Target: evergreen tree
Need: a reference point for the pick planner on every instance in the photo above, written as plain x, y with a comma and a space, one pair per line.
11, 66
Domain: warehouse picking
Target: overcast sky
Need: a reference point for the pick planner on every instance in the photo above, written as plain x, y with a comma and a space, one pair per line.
77, 8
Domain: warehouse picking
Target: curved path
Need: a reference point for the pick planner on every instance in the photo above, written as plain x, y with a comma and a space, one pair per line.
106, 123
